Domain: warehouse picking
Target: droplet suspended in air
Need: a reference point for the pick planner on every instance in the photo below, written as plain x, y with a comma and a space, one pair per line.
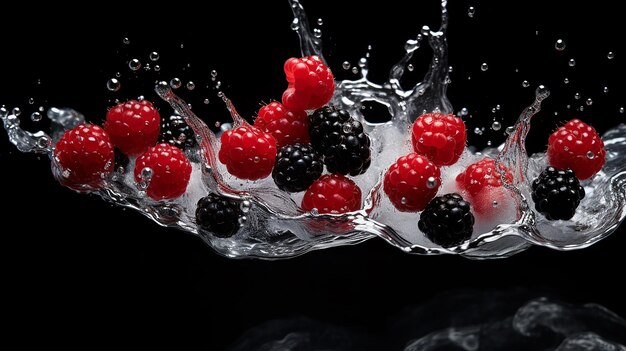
134, 64
525, 84
410, 67
566, 80
35, 116
605, 90
589, 102
577, 96
621, 110
295, 25
206, 101
157, 68
355, 70
191, 85
478, 131
154, 56
559, 45
126, 41
175, 83
31, 101
320, 21
317, 33
572, 62
509, 130
345, 65
471, 11
610, 55
484, 67
113, 84
496, 125
463, 112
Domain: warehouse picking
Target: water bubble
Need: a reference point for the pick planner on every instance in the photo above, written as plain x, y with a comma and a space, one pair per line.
498, 107
581, 108
317, 33
431, 183
566, 80
295, 25
157, 68
411, 45
41, 109
355, 70
610, 55
191, 85
213, 73
589, 102
245, 206
403, 200
425, 30
509, 130
44, 142
206, 101
590, 155
559, 45
463, 112
320, 21
484, 67
175, 83
347, 127
493, 110
345, 65
126, 41
218, 84
16, 111
3, 112
410, 67
256, 159
494, 204
154, 56
146, 67
218, 124
31, 101
35, 116
471, 11
556, 113
572, 62
113, 84
478, 131
362, 62
605, 90
134, 64
450, 69
525, 84
488, 142
577, 96
146, 173
182, 45
496, 125
315, 211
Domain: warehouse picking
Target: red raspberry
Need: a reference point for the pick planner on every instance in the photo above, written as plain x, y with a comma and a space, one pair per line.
248, 152
133, 126
577, 146
311, 83
483, 184
440, 137
84, 154
332, 193
411, 182
286, 126
170, 171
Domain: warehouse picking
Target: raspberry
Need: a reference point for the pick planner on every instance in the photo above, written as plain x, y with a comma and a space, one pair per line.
297, 167
176, 132
341, 141
286, 126
483, 184
311, 83
218, 215
447, 220
411, 182
557, 193
170, 171
577, 146
440, 137
133, 126
84, 154
248, 152
332, 193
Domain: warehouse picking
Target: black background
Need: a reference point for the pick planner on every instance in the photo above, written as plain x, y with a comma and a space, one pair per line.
78, 272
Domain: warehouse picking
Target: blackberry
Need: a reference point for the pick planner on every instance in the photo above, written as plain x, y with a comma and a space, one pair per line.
297, 167
345, 148
219, 215
176, 132
447, 220
557, 193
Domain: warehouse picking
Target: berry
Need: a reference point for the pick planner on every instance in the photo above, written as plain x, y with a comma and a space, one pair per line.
170, 171
219, 215
176, 132
84, 154
297, 167
411, 182
447, 220
133, 126
483, 184
439, 136
332, 193
340, 139
248, 152
577, 146
311, 83
557, 193
286, 126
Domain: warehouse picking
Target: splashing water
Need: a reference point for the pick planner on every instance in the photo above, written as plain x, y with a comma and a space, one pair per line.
275, 227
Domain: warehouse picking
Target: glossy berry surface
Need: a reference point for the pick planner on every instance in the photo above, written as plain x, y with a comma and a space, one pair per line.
133, 126
169, 172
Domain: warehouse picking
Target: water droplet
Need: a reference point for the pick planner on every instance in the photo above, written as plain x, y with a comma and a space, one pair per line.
126, 41
556, 113
256, 159
320, 21
566, 80
175, 83
41, 108
509, 130
403, 200
463, 112
146, 67
191, 85
471, 11
498, 107
431, 183
621, 110
589, 102
577, 96
362, 62
410, 67
134, 64
590, 155
610, 55
16, 111
31, 101
206, 101
295, 25
154, 56
494, 204
3, 112
541, 92
355, 70
484, 67
411, 45
478, 131
488, 142
345, 65
35, 116
182, 45
425, 30
347, 127
44, 142
242, 220
496, 125
581, 108
146, 173
525, 84
572, 62
157, 68
317, 33
113, 84
559, 45
314, 211
245, 206
213, 73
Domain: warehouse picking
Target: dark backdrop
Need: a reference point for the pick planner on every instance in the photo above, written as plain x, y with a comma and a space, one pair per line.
77, 271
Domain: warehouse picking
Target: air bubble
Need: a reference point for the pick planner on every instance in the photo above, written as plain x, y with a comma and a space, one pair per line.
471, 11
206, 101
410, 67
355, 70
610, 55
496, 125
126, 41
494, 204
484, 67
577, 96
157, 68
605, 90
525, 84
16, 111
559, 45
345, 65
113, 84
403, 200
175, 83
320, 21
134, 64
478, 131
572, 62
431, 183
213, 74
44, 142
146, 174
589, 102
566, 80
191, 85
509, 130
295, 25
463, 112
154, 56
35, 116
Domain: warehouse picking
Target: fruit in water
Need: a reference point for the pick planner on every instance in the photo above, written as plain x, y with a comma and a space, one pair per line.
297, 167
482, 181
440, 137
218, 215
133, 126
447, 220
332, 193
169, 171
248, 152
557, 193
286, 126
411, 182
576, 146
311, 83
175, 131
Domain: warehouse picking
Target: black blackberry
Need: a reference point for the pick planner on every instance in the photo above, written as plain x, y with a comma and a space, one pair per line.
340, 139
176, 132
447, 220
297, 167
557, 193
219, 215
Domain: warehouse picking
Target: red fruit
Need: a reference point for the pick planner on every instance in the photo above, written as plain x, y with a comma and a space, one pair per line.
133, 126
411, 182
577, 146
170, 171
483, 184
440, 137
286, 126
332, 193
248, 152
84, 154
311, 83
